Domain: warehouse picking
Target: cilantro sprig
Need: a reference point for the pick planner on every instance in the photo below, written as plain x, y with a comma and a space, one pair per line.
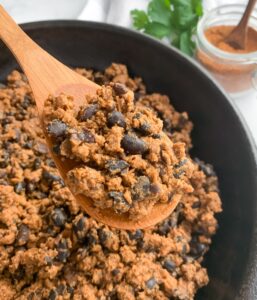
172, 19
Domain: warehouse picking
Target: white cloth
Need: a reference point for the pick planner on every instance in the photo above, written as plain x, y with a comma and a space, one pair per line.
113, 12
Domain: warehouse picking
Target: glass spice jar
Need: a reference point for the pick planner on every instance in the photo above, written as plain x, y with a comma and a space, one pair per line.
236, 72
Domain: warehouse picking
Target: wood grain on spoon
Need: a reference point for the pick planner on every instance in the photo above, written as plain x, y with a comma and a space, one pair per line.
46, 76
237, 38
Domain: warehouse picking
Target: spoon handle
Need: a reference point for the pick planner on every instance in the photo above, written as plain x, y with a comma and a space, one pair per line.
43, 71
28, 54
248, 11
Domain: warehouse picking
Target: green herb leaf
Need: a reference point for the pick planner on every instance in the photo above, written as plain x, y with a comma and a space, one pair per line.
157, 30
140, 19
184, 15
159, 11
176, 20
185, 43
198, 8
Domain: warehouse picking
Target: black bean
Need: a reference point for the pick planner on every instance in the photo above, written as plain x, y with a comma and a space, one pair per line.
62, 244
156, 136
20, 248
112, 295
57, 128
116, 118
133, 145
80, 228
56, 149
49, 260
154, 189
165, 227
60, 289
201, 231
184, 250
138, 234
30, 187
197, 249
80, 224
50, 162
196, 204
167, 125
19, 187
63, 251
102, 236
37, 163
178, 174
115, 272
206, 168
140, 244
120, 89
52, 295
89, 240
4, 161
151, 283
169, 265
59, 217
141, 189
63, 256
182, 122
20, 273
181, 163
6, 121
50, 177
28, 145
87, 113
23, 235
99, 79
70, 290
83, 136
137, 116
3, 164
137, 95
120, 205
116, 166
144, 129
26, 102
6, 145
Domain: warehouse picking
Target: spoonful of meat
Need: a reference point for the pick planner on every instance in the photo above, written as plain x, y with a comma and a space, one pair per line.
121, 167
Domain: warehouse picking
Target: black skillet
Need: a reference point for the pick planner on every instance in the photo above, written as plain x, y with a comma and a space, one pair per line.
220, 136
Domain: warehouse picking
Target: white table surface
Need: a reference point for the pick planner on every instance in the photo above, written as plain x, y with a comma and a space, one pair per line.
115, 12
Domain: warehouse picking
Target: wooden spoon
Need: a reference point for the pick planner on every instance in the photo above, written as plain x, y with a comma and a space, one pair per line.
237, 38
46, 76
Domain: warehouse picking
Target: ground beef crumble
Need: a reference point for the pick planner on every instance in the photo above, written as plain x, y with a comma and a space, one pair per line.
50, 249
124, 161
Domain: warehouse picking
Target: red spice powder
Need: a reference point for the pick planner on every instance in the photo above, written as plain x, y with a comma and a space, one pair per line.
234, 77
216, 35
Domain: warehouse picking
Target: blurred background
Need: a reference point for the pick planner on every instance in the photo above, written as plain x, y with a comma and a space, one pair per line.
113, 12
109, 11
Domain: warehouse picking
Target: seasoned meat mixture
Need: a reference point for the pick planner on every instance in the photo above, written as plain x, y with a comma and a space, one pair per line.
124, 160
51, 249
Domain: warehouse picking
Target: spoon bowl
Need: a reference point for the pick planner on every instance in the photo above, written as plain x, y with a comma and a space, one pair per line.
46, 76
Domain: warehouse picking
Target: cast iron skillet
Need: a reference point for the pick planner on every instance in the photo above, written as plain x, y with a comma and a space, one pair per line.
220, 137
